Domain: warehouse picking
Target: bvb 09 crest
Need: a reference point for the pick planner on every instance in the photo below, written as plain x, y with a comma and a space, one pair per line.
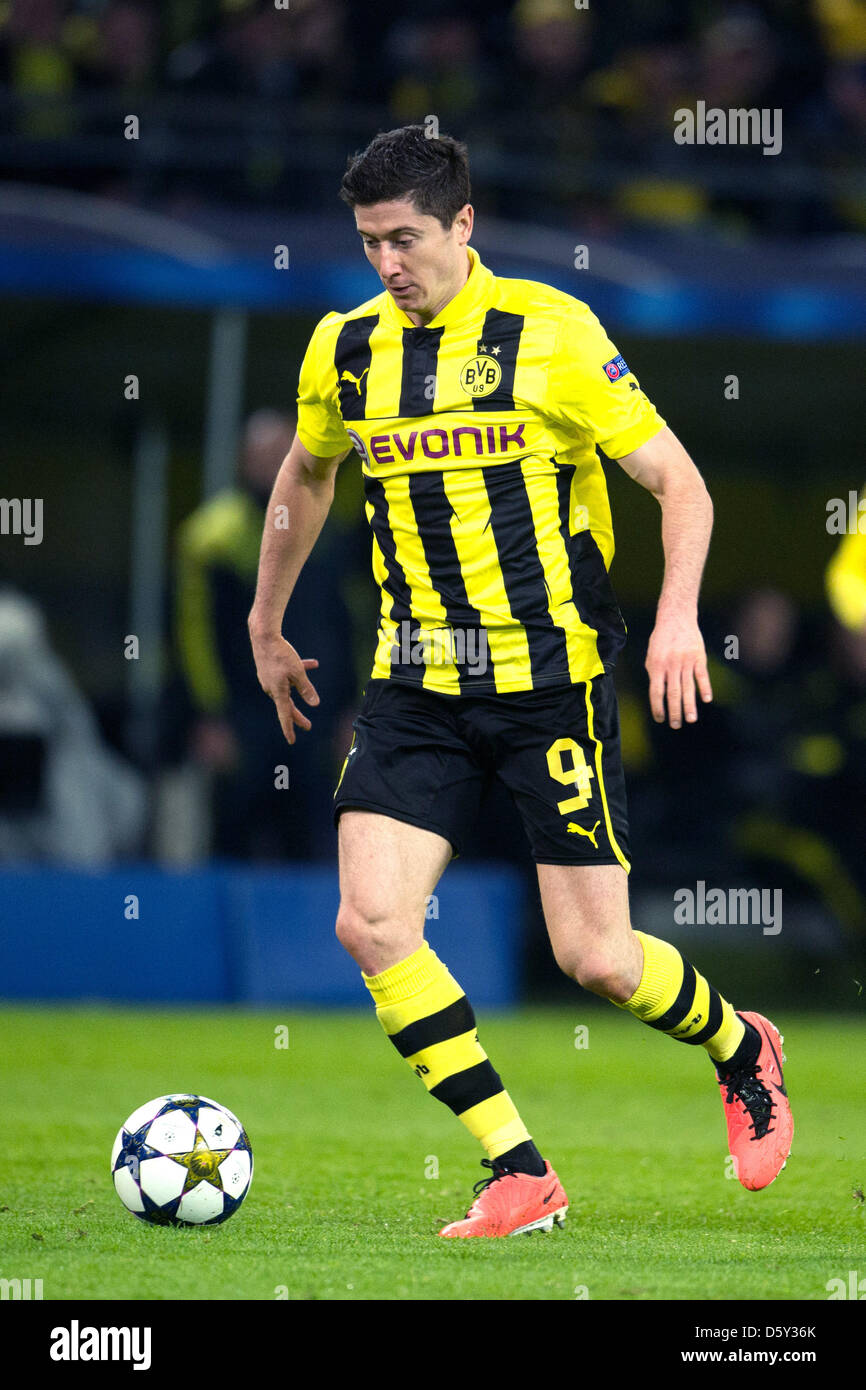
481, 375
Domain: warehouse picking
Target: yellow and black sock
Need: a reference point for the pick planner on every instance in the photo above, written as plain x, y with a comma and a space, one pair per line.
673, 997
430, 1021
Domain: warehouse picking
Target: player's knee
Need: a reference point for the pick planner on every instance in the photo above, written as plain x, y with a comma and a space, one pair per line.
600, 974
568, 962
364, 932
353, 928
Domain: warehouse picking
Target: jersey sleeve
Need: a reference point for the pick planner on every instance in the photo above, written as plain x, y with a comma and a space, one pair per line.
592, 388
320, 424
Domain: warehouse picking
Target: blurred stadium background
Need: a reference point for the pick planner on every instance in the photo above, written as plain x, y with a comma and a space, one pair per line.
170, 234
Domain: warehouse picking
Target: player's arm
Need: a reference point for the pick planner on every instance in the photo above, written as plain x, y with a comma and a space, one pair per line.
300, 502
676, 658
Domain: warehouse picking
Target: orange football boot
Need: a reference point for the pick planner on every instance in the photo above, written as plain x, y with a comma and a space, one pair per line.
510, 1203
760, 1125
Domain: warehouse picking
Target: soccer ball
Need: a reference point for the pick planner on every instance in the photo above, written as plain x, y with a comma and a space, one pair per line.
182, 1161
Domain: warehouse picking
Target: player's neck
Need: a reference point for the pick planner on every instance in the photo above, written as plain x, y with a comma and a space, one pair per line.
425, 317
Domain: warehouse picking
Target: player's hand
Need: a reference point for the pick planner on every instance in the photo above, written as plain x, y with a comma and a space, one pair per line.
280, 670
676, 662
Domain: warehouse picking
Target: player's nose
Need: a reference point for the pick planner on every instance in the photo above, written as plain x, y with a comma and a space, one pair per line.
389, 266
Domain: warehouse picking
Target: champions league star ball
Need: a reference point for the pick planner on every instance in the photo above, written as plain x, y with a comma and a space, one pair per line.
182, 1161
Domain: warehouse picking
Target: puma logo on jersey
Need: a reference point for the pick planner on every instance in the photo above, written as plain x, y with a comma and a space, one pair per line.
579, 830
347, 376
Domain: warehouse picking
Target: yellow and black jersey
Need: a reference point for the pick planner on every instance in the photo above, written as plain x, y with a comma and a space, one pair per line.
485, 495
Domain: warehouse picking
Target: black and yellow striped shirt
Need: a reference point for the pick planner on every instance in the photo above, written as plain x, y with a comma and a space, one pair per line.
487, 501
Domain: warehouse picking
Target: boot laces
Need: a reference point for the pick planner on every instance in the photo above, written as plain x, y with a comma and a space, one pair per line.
754, 1096
497, 1170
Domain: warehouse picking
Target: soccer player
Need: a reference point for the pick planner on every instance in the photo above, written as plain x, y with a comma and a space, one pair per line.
476, 405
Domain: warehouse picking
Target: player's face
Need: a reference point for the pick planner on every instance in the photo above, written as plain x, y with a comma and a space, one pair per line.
421, 263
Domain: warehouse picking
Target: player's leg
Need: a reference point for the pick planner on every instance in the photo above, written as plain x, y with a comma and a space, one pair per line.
388, 869
562, 763
410, 763
587, 916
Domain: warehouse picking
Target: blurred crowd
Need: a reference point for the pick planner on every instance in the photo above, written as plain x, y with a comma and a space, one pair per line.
572, 104
770, 785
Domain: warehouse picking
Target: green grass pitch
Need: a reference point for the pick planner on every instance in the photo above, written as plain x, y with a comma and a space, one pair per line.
345, 1203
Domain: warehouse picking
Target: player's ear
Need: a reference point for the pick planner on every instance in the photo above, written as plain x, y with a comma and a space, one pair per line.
464, 222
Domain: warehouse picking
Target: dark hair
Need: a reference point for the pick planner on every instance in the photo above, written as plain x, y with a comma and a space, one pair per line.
407, 163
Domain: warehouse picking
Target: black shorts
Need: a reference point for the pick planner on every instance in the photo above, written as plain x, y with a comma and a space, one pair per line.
426, 758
